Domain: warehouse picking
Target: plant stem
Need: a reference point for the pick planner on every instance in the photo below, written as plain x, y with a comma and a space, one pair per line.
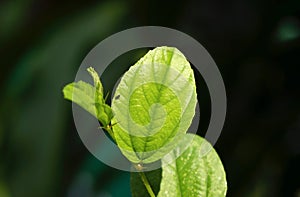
110, 132
146, 183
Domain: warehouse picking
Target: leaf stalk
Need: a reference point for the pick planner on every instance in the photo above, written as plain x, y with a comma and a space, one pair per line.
147, 184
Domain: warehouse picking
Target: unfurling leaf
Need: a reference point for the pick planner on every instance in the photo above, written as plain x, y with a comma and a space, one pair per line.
90, 98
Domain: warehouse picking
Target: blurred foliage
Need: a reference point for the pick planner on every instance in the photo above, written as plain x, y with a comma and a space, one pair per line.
256, 45
289, 29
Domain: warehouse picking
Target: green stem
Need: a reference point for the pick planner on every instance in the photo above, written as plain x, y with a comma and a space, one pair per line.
146, 183
110, 132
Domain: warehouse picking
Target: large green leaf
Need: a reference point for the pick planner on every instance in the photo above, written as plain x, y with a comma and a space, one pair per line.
154, 105
197, 171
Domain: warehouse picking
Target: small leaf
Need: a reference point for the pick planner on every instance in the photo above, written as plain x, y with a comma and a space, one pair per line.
97, 84
138, 188
90, 98
82, 94
198, 171
154, 106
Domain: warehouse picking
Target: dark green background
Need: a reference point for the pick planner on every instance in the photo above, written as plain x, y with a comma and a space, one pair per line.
256, 45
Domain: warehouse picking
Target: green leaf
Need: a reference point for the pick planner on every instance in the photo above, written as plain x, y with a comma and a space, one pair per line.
97, 84
81, 93
197, 171
154, 105
138, 188
90, 97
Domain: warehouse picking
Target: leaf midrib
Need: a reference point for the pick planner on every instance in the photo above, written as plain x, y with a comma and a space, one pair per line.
158, 99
